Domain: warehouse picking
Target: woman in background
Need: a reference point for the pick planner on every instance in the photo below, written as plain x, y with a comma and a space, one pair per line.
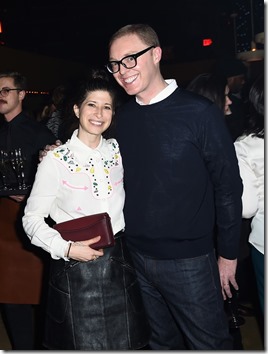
250, 153
214, 87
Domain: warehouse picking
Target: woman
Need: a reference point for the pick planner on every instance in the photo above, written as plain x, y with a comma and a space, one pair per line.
94, 301
214, 87
250, 153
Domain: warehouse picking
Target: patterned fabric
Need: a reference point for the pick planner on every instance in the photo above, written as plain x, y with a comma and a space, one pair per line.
74, 181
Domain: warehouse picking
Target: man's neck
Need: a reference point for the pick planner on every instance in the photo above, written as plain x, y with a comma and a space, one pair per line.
146, 97
11, 115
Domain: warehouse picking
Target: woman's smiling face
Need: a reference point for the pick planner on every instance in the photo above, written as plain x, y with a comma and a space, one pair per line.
95, 113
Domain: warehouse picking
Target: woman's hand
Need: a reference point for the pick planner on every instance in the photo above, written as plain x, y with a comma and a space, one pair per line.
81, 251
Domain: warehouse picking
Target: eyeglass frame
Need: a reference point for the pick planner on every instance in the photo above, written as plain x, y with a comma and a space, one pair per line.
7, 90
134, 56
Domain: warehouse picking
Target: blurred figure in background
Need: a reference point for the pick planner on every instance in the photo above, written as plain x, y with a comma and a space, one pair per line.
53, 113
236, 74
21, 267
215, 88
250, 152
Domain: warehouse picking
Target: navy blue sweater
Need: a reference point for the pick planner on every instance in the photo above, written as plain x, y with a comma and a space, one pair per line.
181, 178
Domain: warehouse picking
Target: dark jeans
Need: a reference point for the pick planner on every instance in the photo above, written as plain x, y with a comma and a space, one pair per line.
184, 303
18, 319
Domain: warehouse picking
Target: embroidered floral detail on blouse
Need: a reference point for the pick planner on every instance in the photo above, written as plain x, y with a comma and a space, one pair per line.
64, 154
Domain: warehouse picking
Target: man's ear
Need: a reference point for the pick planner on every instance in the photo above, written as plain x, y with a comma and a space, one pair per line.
22, 94
157, 54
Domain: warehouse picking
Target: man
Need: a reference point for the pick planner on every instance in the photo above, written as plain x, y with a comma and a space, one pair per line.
21, 269
181, 175
235, 72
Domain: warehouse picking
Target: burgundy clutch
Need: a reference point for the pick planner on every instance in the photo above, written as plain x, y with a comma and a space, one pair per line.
87, 227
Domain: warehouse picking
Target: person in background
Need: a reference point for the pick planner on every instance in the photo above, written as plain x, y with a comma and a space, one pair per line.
21, 267
181, 177
52, 114
215, 88
94, 300
250, 152
235, 72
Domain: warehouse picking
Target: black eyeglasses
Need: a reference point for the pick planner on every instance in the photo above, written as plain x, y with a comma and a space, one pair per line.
129, 62
5, 91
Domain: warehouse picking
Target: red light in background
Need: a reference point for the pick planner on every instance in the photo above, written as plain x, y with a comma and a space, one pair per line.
1, 32
207, 42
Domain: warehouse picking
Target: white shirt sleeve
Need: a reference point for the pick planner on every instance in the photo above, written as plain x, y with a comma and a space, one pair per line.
250, 190
38, 207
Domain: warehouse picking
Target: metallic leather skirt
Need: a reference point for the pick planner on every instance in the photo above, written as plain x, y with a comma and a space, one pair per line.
96, 305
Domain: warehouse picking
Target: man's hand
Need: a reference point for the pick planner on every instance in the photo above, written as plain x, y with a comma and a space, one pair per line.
42, 153
17, 198
227, 270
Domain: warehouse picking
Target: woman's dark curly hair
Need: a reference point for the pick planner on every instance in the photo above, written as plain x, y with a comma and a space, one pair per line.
255, 123
210, 85
96, 79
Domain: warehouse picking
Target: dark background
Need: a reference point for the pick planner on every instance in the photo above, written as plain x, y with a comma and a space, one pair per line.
79, 30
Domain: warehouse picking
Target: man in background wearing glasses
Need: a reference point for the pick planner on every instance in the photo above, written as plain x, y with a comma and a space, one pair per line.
21, 268
182, 178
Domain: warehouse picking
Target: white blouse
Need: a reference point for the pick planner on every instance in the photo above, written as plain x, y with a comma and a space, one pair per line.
73, 181
250, 154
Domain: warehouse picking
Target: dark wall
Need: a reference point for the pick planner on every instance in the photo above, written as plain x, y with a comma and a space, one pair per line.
43, 73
